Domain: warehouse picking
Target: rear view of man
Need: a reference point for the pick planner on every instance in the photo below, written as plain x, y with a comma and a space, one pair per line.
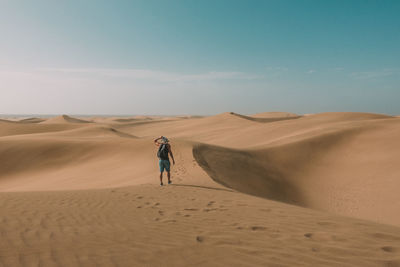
163, 151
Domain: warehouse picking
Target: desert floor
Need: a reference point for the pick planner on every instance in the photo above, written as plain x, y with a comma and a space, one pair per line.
270, 189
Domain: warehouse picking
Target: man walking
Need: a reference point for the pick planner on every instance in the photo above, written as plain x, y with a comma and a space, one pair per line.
163, 151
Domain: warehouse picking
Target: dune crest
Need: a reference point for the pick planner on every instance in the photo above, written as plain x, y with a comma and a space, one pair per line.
274, 114
265, 118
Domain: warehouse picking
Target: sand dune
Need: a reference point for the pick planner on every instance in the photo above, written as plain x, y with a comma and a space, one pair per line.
270, 189
328, 172
65, 119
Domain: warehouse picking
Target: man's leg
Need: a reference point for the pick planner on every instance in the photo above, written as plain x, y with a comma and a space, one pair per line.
169, 176
168, 169
160, 164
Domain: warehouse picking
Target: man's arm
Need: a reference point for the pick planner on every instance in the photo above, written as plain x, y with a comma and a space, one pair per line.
155, 141
170, 153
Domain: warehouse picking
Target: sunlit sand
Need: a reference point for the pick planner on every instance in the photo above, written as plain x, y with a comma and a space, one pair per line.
270, 189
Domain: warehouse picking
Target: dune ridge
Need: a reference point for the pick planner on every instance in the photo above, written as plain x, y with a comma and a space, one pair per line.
267, 117
274, 114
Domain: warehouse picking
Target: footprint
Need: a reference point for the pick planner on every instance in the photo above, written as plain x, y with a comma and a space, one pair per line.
210, 203
199, 238
258, 228
324, 237
161, 212
308, 235
389, 249
208, 210
167, 221
191, 209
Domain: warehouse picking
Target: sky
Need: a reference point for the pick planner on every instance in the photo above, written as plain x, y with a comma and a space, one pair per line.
171, 57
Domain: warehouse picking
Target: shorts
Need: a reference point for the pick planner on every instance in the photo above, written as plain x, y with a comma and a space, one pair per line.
164, 164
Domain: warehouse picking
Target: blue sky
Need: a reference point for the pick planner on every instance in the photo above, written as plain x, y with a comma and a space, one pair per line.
199, 57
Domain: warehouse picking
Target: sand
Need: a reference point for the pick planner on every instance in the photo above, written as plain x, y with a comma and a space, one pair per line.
269, 189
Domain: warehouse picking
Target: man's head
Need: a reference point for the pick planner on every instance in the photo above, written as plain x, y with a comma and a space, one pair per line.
164, 140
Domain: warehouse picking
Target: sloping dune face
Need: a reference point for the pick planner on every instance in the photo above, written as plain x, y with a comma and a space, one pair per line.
261, 190
31, 120
346, 172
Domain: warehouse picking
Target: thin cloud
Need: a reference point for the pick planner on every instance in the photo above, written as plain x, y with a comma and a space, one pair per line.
311, 71
367, 75
161, 76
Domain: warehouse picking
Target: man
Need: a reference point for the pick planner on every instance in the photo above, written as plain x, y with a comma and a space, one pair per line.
163, 151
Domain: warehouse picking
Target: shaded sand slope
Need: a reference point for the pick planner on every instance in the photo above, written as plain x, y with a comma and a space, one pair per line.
346, 172
87, 194
32, 120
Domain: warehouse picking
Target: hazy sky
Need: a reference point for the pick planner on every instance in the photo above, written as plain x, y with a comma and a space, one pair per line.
199, 57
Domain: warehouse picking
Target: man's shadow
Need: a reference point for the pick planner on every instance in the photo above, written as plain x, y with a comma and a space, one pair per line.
204, 187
